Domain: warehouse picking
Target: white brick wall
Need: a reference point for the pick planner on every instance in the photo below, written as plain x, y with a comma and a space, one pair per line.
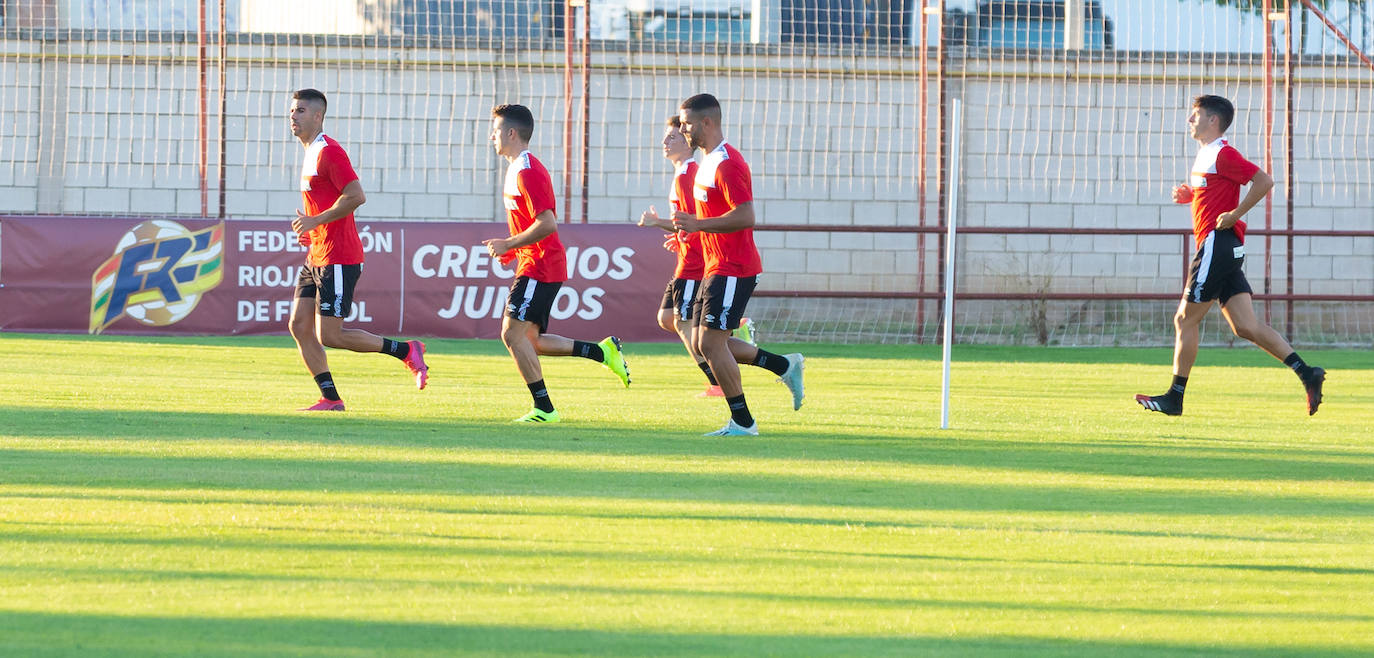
828, 146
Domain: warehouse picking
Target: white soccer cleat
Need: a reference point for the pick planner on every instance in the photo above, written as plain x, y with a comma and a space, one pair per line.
735, 429
792, 378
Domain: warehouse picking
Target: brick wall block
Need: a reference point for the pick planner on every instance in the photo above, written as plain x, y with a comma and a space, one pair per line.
161, 202
827, 261
800, 240
875, 213
1094, 265
1007, 214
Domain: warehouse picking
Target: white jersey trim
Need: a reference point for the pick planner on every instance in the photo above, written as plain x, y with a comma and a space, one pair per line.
678, 173
1206, 162
310, 162
706, 171
519, 164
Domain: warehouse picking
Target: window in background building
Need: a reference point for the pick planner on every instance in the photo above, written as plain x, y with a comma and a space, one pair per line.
835, 22
701, 21
1038, 25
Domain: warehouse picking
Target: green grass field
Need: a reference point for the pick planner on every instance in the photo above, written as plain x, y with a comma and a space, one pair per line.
160, 497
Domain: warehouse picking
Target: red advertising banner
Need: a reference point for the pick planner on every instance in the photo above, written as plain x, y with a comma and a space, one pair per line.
195, 276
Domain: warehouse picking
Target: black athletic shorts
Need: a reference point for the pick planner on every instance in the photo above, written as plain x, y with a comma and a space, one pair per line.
679, 296
721, 302
532, 301
333, 286
1216, 272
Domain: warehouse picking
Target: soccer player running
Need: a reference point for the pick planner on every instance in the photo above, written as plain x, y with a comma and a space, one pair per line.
675, 314
334, 262
1218, 173
542, 265
723, 191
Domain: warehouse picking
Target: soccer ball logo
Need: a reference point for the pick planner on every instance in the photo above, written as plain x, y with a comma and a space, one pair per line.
157, 275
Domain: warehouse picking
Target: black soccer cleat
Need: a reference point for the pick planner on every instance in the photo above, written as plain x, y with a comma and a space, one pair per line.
1162, 403
1313, 383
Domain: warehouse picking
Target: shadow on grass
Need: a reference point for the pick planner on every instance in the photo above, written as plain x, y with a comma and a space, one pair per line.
441, 547
1195, 458
848, 519
569, 475
43, 635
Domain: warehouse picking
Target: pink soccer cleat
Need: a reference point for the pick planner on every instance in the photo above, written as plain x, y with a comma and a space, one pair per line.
415, 361
325, 404
712, 391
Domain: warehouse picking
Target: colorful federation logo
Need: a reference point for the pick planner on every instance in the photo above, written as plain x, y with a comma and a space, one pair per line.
158, 273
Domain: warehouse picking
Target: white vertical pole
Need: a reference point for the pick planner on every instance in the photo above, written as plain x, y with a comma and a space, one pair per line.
951, 214
1075, 24
765, 24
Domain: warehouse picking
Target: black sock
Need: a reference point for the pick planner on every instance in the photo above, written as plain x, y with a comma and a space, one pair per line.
396, 348
1296, 363
771, 362
739, 411
710, 376
326, 384
541, 396
1176, 389
588, 351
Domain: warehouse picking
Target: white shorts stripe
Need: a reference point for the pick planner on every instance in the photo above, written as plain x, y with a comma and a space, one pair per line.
338, 290
727, 301
689, 292
1205, 266
525, 300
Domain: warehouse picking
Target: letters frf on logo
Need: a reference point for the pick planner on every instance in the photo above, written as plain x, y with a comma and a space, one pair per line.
157, 274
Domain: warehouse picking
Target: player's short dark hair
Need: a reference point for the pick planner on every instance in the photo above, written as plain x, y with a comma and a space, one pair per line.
308, 94
518, 117
1218, 107
703, 104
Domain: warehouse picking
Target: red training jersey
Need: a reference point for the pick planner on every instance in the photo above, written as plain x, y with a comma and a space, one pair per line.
722, 184
1219, 171
325, 171
691, 264
528, 192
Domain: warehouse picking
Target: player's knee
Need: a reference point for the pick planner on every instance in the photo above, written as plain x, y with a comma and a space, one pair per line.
665, 321
1180, 320
511, 335
1248, 331
713, 340
301, 328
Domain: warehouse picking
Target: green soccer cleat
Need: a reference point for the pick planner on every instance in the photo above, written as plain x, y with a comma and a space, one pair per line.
537, 416
793, 378
747, 332
614, 360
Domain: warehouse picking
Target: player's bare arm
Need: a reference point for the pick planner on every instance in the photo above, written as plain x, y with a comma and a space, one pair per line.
350, 198
1260, 184
651, 219
544, 225
737, 219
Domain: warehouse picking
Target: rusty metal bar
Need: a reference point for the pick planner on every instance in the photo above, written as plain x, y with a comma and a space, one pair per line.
1034, 230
